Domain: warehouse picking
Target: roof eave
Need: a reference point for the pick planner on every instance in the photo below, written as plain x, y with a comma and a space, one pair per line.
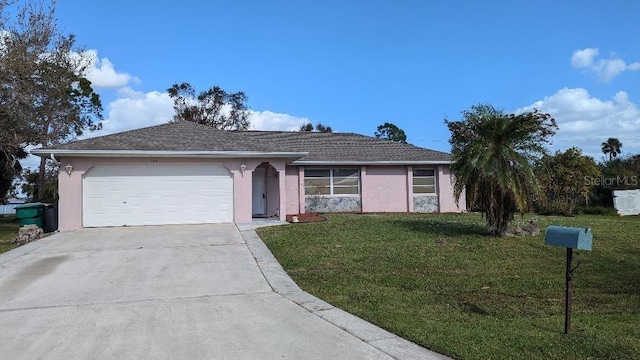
174, 154
348, 162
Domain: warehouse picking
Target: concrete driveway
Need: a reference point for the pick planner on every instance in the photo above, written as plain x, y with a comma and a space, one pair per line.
172, 292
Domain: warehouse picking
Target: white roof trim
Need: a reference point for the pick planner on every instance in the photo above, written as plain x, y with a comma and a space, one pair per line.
144, 153
403, 162
224, 154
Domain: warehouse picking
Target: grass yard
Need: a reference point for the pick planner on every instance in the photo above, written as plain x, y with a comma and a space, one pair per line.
8, 232
439, 281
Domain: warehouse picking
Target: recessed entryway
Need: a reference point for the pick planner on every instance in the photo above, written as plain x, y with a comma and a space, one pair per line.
265, 193
259, 192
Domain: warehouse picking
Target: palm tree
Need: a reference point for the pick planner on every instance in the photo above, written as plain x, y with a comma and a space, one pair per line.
612, 147
492, 158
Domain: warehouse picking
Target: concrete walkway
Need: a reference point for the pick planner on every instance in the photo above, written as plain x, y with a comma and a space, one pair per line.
171, 292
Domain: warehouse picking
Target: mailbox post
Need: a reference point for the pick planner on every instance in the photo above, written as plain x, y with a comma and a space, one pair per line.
571, 238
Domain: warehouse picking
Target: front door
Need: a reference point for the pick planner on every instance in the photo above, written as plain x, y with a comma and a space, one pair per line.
259, 192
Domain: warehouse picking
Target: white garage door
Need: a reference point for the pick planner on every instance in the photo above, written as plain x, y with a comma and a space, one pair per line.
155, 194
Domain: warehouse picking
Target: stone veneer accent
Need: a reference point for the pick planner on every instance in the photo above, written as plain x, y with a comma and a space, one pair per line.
332, 204
425, 204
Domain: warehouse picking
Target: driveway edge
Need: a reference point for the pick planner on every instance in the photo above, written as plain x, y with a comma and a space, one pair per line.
26, 248
282, 284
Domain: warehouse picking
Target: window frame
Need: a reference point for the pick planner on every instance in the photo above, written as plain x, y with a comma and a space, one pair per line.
426, 177
332, 184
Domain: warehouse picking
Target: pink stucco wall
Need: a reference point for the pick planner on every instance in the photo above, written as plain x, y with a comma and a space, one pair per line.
446, 199
70, 195
410, 188
384, 188
292, 188
70, 187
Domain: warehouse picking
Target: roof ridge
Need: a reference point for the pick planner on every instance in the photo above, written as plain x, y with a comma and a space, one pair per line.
118, 133
146, 128
295, 132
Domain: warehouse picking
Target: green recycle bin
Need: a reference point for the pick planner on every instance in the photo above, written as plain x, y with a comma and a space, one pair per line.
30, 214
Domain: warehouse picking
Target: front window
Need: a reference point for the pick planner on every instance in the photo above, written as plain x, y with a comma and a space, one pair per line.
331, 181
424, 181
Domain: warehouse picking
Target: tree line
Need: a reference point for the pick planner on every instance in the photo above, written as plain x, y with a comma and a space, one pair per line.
45, 98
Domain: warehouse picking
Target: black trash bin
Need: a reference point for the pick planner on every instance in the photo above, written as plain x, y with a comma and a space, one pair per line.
50, 215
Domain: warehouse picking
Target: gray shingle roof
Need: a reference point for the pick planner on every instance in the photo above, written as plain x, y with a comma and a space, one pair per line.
347, 147
321, 147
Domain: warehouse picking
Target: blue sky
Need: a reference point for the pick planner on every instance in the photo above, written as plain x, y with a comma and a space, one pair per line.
356, 64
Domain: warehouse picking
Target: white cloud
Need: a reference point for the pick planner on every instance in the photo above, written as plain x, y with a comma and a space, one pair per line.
100, 71
583, 58
134, 109
267, 120
102, 74
605, 69
586, 121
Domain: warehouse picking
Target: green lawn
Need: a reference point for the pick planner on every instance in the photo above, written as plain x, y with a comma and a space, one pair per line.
439, 281
8, 231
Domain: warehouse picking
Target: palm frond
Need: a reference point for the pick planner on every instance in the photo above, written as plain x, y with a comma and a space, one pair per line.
492, 160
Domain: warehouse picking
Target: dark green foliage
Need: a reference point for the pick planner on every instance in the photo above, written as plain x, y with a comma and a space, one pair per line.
492, 157
9, 168
31, 184
214, 107
319, 128
45, 98
621, 173
391, 132
596, 210
323, 128
8, 232
553, 207
306, 127
566, 179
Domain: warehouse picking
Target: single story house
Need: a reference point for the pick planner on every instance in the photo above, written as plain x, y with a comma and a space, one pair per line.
185, 173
